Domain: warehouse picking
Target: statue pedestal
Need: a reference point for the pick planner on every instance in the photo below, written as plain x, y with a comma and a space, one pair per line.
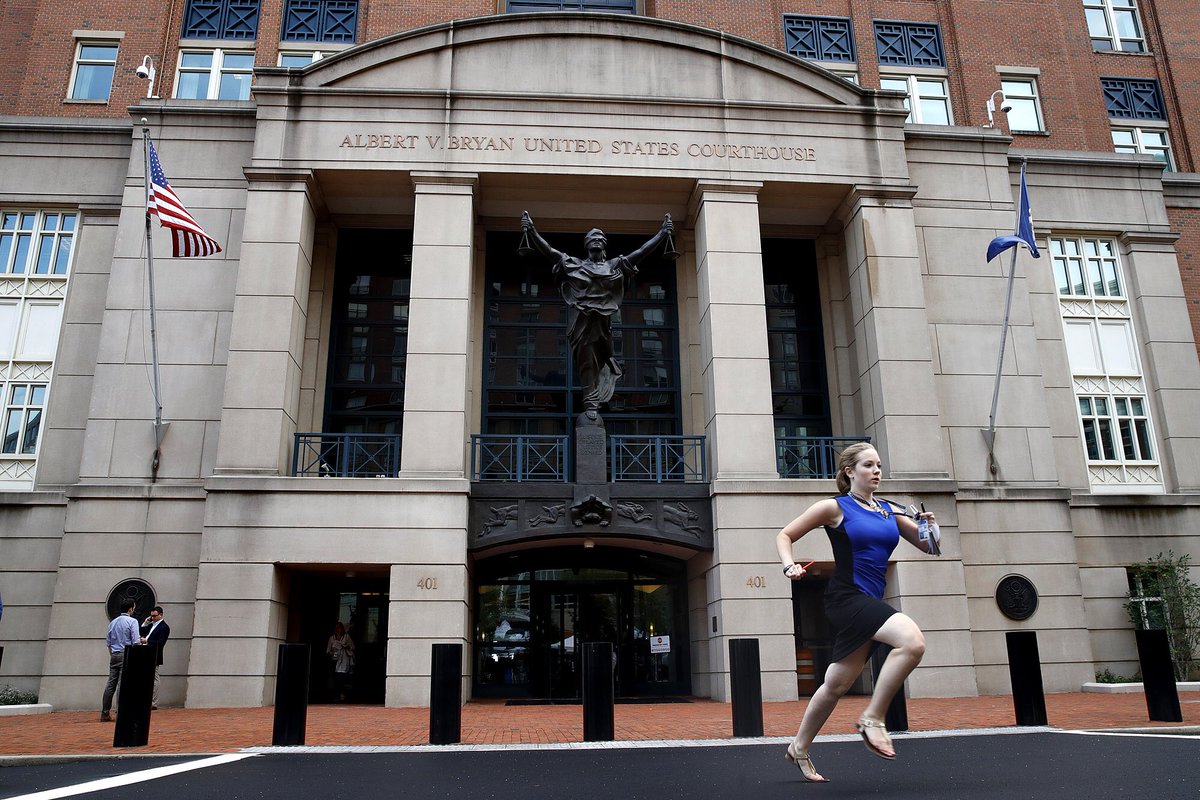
591, 442
591, 506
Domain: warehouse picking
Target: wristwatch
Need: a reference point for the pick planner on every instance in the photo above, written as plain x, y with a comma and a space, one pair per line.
785, 569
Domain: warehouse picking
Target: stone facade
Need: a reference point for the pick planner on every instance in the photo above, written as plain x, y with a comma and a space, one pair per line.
430, 131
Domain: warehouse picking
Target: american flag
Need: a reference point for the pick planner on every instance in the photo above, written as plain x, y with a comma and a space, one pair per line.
188, 239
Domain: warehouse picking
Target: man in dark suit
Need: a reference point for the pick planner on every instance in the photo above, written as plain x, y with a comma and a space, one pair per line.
156, 631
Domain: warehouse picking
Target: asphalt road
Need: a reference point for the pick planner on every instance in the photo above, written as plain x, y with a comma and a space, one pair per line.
1060, 766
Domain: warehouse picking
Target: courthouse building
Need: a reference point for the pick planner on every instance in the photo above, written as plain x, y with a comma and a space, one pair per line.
369, 402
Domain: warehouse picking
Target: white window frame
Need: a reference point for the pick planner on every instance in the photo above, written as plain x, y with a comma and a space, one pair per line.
310, 55
1138, 134
1109, 9
79, 61
11, 410
32, 302
216, 69
912, 89
1030, 97
1105, 364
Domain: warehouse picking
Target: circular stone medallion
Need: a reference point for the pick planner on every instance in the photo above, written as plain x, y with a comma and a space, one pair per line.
1016, 597
134, 589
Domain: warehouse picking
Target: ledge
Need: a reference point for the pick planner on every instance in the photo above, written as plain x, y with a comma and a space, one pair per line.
1130, 688
23, 710
314, 485
1134, 500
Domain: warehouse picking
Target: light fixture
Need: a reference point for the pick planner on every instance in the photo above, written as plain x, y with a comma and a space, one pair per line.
588, 544
1003, 105
147, 72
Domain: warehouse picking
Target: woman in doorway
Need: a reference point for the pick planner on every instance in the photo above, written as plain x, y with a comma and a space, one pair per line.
340, 650
863, 531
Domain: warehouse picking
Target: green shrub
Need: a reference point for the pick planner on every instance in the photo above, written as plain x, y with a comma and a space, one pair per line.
11, 696
1107, 676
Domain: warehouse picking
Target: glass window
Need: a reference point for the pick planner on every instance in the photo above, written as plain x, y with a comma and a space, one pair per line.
1021, 95
320, 21
932, 106
22, 418
95, 63
369, 352
1152, 142
1085, 267
299, 59
214, 75
1102, 352
529, 380
796, 346
1114, 25
36, 243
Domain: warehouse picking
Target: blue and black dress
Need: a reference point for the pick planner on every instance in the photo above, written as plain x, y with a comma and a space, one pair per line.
862, 545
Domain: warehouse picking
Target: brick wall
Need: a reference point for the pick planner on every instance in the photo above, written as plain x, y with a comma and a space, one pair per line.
1186, 221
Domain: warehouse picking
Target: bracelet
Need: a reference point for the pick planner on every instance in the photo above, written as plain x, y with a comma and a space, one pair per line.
785, 569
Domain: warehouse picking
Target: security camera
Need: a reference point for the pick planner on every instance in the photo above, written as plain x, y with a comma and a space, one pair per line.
1006, 108
143, 72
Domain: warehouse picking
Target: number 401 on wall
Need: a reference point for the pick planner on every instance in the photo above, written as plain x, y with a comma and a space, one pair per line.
426, 583
756, 582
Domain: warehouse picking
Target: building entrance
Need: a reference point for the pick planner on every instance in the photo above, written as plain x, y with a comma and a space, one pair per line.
532, 620
320, 602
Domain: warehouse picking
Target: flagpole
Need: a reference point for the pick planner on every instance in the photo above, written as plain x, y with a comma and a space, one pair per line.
989, 436
158, 423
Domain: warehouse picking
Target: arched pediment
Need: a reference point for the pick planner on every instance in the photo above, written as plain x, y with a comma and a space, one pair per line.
577, 55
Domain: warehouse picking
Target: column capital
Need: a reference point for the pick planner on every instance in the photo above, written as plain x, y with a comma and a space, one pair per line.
425, 181
264, 177
731, 191
870, 195
1145, 240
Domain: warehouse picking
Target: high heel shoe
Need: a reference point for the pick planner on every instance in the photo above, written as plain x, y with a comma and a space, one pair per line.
863, 725
801, 760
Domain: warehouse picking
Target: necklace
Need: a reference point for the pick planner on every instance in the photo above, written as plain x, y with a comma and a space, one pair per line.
872, 504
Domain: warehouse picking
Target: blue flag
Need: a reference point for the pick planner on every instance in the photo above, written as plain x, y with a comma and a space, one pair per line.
1024, 234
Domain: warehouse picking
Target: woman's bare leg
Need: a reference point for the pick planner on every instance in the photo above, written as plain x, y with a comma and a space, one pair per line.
840, 676
908, 647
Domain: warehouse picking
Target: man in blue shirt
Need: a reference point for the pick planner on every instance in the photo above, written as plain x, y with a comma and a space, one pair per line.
122, 632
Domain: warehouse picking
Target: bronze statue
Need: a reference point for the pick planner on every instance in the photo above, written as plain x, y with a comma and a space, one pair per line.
593, 289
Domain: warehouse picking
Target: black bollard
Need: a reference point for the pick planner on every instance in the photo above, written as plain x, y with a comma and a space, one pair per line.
445, 694
1158, 676
598, 692
745, 684
136, 693
291, 695
1025, 672
896, 718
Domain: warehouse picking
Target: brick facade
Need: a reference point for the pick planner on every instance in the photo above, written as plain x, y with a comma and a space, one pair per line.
37, 49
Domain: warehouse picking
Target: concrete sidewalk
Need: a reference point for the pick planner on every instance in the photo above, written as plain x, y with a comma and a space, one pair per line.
224, 730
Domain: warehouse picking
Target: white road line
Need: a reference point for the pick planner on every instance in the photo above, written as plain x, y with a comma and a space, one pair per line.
1193, 736
133, 777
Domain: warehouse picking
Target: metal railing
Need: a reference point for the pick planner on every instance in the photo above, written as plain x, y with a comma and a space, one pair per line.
346, 455
658, 459
519, 458
811, 456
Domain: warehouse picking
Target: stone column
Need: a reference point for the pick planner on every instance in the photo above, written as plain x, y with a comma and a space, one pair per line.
738, 419
891, 331
439, 327
1168, 352
262, 386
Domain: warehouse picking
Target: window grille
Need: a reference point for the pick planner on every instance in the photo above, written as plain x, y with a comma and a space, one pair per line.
1133, 98
819, 38
221, 19
320, 21
909, 44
